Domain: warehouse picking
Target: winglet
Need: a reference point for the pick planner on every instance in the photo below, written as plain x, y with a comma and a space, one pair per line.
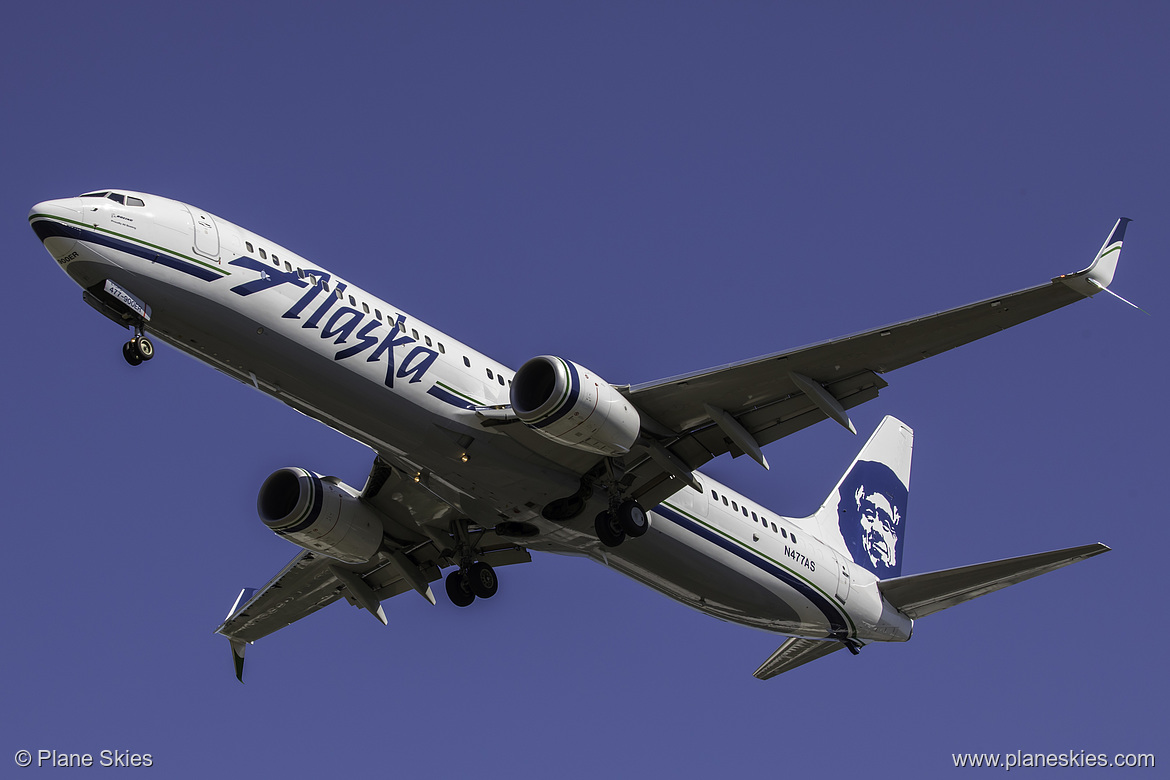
245, 596
1099, 274
238, 646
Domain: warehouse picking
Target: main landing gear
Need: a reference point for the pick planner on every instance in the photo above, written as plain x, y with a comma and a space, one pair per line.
138, 350
627, 519
465, 585
625, 516
473, 579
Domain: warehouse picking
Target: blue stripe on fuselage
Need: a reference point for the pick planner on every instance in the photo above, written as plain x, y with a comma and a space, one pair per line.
45, 228
836, 619
450, 398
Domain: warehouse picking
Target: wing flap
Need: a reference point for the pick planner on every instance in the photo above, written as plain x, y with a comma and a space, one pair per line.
918, 595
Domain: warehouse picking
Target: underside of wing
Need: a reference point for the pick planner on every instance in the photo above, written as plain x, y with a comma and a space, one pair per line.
309, 582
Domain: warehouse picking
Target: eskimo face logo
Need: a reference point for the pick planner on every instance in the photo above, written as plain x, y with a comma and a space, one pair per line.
871, 512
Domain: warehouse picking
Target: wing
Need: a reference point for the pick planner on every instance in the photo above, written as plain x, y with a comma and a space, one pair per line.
739, 407
312, 581
412, 555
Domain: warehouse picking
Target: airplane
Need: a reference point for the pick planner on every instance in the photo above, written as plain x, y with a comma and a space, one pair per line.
477, 466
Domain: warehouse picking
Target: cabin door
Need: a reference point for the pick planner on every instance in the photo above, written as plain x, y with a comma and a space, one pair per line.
206, 233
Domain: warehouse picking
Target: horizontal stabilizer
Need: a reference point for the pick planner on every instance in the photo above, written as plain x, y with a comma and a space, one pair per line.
918, 595
793, 653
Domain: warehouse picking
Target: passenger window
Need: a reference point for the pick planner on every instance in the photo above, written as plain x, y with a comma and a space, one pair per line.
275, 261
794, 538
733, 506
773, 527
754, 518
427, 339
745, 514
377, 314
714, 495
724, 500
442, 351
466, 362
783, 532
287, 265
500, 378
352, 302
337, 292
366, 308
301, 273
489, 373
414, 334
249, 245
263, 254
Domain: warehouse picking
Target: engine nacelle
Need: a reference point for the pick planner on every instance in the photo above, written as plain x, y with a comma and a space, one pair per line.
569, 404
319, 515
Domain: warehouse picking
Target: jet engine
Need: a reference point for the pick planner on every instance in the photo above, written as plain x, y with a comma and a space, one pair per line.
320, 514
571, 405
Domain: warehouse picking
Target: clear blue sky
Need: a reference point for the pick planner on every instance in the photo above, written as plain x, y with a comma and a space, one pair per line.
647, 189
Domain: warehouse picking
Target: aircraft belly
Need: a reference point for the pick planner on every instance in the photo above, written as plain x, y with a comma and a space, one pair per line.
716, 581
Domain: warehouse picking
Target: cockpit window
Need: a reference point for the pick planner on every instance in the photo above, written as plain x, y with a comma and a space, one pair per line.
117, 197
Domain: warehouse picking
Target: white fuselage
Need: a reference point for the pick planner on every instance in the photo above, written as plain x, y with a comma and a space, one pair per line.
317, 342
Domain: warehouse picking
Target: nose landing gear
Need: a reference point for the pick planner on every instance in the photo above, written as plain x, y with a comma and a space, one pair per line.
121, 306
138, 349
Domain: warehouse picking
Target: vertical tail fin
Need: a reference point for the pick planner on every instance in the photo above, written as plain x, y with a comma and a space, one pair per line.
864, 516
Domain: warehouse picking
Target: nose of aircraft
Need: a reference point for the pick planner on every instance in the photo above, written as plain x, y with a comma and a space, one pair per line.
67, 208
54, 222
